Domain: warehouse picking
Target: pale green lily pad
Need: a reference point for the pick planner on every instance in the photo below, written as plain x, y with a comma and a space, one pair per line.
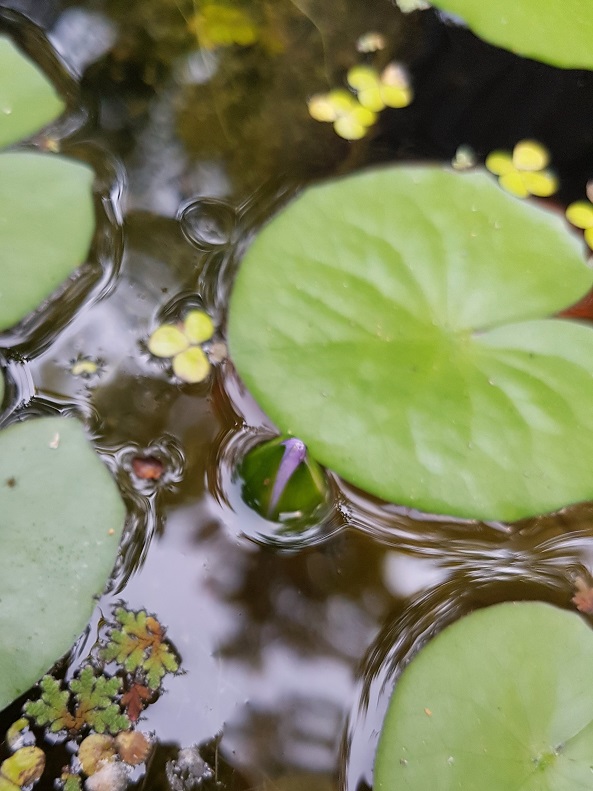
28, 100
62, 518
396, 322
501, 700
554, 32
47, 222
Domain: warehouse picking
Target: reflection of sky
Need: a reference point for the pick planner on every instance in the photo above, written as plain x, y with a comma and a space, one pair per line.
306, 695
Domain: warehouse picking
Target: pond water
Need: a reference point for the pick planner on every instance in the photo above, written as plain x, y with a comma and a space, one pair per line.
288, 644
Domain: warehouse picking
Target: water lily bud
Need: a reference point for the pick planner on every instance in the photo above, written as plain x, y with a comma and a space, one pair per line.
280, 481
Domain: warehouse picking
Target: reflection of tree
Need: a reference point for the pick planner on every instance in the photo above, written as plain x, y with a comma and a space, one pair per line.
299, 733
312, 603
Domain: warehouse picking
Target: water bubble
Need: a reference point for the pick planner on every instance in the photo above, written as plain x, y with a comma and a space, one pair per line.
208, 223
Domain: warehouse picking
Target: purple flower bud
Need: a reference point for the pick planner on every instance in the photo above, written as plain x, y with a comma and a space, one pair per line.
295, 453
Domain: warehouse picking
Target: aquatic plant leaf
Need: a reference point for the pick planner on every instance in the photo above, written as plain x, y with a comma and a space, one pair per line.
133, 747
89, 702
135, 700
502, 699
191, 366
24, 767
556, 33
62, 517
94, 750
47, 221
95, 704
198, 326
28, 100
140, 645
52, 707
396, 321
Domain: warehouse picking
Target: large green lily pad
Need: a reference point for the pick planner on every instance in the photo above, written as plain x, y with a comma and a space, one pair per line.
396, 322
501, 700
62, 518
555, 32
47, 222
28, 100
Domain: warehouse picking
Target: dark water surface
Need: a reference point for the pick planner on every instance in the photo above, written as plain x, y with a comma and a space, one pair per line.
289, 647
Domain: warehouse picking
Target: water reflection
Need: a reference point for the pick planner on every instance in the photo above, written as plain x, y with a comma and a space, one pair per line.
276, 641
475, 577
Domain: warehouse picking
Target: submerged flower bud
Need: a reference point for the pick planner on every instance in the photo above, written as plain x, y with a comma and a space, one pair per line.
280, 481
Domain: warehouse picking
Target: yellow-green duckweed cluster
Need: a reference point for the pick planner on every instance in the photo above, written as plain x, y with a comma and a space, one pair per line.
580, 214
221, 25
524, 172
182, 342
352, 116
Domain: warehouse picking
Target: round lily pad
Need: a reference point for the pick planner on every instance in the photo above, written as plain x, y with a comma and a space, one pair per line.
28, 100
62, 518
500, 700
397, 322
546, 30
47, 221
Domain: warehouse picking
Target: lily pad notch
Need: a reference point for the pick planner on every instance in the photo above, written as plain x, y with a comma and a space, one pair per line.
398, 322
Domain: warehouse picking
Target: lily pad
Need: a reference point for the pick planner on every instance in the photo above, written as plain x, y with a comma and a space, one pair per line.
546, 30
47, 221
28, 100
502, 699
62, 518
396, 321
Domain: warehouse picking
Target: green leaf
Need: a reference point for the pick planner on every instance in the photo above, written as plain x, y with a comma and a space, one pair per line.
52, 707
500, 700
395, 321
47, 222
546, 30
140, 644
62, 517
28, 100
94, 706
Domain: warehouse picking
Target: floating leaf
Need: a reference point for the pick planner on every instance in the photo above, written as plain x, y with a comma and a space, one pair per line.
502, 699
133, 747
546, 30
167, 340
52, 707
62, 517
95, 750
24, 767
522, 172
580, 213
396, 322
191, 365
198, 326
135, 699
351, 120
47, 221
221, 25
28, 101
95, 705
140, 644
88, 703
